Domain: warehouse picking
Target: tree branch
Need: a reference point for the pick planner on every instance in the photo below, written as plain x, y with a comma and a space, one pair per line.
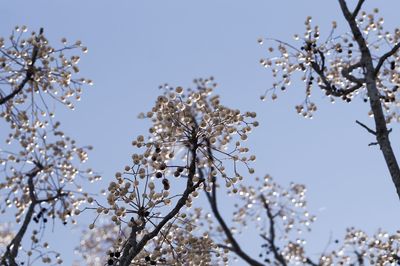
382, 132
11, 253
57, 196
132, 241
360, 258
235, 245
358, 8
347, 70
212, 199
310, 262
355, 30
190, 187
29, 72
271, 239
386, 56
366, 127
328, 85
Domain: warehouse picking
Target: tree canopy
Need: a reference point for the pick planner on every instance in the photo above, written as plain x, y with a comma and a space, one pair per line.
189, 193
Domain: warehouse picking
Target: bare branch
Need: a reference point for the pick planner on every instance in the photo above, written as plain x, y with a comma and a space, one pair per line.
358, 8
346, 12
310, 262
271, 239
235, 245
12, 249
365, 53
212, 199
386, 56
346, 73
381, 131
226, 247
366, 127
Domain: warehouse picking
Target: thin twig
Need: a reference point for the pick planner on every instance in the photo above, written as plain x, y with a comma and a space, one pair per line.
366, 127
386, 56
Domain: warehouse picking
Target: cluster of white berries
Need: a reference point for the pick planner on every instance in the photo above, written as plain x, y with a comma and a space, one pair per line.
329, 63
40, 164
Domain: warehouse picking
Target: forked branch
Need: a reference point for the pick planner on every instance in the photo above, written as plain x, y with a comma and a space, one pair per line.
134, 248
271, 238
212, 199
358, 8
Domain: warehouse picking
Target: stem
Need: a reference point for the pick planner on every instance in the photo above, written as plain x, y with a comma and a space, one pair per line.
212, 199
12, 249
271, 239
235, 245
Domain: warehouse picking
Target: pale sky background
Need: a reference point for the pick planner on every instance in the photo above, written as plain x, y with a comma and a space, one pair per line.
136, 45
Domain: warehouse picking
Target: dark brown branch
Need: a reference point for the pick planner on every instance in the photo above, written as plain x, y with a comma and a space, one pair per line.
29, 73
354, 66
382, 132
9, 257
59, 194
386, 56
346, 12
330, 88
132, 240
271, 239
327, 85
355, 31
310, 262
358, 8
212, 199
226, 247
360, 258
190, 187
346, 73
5, 99
366, 127
235, 247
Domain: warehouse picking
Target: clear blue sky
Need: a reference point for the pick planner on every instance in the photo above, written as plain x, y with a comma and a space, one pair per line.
136, 45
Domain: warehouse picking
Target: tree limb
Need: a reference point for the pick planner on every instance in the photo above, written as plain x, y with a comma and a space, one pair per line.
310, 262
382, 132
360, 258
358, 8
329, 87
366, 127
212, 199
235, 247
347, 70
386, 56
355, 30
9, 257
190, 187
271, 239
